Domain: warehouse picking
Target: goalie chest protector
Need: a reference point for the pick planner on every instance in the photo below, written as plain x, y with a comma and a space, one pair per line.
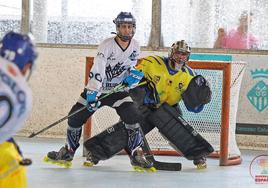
182, 135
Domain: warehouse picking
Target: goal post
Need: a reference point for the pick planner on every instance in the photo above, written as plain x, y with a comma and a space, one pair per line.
216, 123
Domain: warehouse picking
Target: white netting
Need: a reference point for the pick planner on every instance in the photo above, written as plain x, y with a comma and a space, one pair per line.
207, 122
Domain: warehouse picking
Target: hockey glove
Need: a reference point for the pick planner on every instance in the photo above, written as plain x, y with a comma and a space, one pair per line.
196, 109
92, 101
133, 78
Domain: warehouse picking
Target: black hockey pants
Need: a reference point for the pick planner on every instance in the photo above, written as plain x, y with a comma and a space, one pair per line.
120, 101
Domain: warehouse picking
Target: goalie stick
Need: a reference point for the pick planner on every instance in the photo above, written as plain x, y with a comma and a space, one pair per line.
159, 165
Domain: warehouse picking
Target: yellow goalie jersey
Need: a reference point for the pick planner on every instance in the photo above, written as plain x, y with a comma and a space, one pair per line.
169, 84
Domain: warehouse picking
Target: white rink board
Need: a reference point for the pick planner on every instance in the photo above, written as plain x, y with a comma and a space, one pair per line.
59, 79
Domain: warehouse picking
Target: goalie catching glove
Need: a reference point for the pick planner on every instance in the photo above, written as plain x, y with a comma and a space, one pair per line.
133, 79
92, 101
197, 94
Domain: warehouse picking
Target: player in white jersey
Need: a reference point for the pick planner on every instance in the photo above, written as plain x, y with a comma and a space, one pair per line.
17, 56
113, 65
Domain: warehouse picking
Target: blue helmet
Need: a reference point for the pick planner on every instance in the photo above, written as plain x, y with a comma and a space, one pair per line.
18, 48
125, 17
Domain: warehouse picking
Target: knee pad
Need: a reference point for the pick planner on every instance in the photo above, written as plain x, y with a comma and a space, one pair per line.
129, 113
109, 142
182, 135
78, 119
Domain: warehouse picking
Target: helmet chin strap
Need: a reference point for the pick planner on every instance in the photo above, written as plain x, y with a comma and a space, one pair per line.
176, 66
123, 38
28, 74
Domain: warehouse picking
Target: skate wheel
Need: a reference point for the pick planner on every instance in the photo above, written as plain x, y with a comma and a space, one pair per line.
46, 159
88, 164
201, 166
138, 169
152, 169
65, 164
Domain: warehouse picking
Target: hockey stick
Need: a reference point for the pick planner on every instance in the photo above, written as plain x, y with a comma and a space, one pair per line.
159, 165
57, 122
116, 89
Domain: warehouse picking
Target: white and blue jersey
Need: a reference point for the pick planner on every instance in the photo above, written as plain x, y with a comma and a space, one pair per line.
15, 99
112, 65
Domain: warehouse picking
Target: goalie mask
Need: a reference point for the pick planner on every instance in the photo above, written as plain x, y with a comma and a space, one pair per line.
125, 18
197, 94
179, 54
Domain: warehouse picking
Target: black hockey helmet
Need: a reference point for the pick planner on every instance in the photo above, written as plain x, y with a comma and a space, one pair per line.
125, 17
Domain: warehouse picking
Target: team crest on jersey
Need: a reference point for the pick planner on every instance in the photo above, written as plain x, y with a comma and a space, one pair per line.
100, 54
179, 87
112, 72
111, 57
133, 56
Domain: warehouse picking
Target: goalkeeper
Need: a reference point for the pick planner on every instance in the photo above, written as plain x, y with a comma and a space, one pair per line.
168, 80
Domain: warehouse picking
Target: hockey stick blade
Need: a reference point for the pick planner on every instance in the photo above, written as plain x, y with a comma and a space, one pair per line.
159, 165
167, 166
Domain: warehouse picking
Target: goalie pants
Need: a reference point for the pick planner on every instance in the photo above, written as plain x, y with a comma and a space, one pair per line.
120, 101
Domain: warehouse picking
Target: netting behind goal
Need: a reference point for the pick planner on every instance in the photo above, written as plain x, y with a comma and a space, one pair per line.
216, 123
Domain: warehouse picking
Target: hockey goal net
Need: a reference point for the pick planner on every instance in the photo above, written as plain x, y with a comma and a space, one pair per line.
216, 123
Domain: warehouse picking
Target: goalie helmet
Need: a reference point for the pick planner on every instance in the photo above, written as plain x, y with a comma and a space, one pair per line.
18, 48
179, 53
125, 18
197, 94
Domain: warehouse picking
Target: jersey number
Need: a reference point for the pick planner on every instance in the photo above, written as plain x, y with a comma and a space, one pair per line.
5, 110
9, 55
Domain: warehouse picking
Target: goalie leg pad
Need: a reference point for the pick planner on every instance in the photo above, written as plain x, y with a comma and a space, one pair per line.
182, 135
108, 143
137, 94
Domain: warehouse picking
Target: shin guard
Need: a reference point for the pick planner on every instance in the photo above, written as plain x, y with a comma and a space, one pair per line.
73, 137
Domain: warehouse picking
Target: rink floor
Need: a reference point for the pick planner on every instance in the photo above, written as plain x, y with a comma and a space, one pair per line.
117, 172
